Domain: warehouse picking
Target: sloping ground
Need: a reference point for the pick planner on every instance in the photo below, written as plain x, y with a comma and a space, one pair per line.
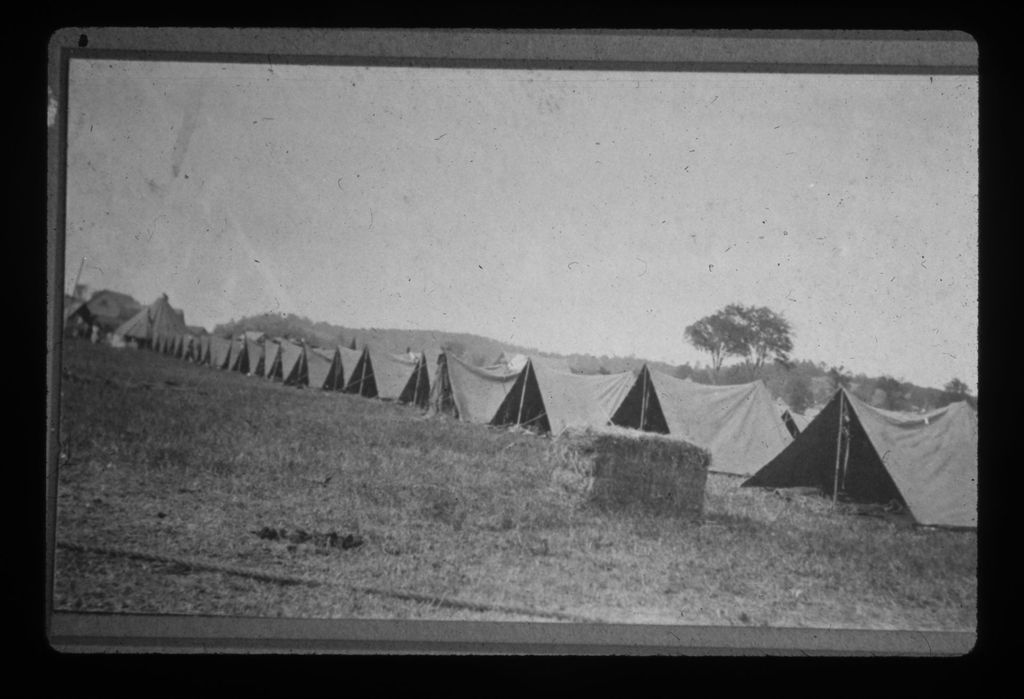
163, 456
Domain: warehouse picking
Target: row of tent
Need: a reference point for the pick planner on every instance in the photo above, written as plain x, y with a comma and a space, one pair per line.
927, 463
403, 378
739, 425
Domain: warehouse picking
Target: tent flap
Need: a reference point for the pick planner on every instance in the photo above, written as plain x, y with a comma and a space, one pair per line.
738, 425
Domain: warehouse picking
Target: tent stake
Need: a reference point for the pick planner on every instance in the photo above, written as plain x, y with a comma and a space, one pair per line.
839, 441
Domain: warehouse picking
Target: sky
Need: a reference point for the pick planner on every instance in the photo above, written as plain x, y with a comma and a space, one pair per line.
570, 211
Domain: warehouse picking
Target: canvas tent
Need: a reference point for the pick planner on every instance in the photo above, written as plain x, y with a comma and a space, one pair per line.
238, 360
220, 352
550, 398
738, 424
641, 408
356, 372
270, 367
441, 398
292, 361
154, 324
476, 392
322, 368
928, 463
517, 362
202, 353
254, 353
401, 377
545, 396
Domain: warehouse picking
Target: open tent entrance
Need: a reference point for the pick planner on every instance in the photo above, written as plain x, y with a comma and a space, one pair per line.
254, 354
523, 405
442, 399
834, 455
335, 380
401, 377
360, 380
203, 350
220, 352
293, 364
272, 361
417, 389
322, 367
641, 409
239, 360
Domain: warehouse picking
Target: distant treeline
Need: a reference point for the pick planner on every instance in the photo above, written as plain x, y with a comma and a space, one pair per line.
802, 384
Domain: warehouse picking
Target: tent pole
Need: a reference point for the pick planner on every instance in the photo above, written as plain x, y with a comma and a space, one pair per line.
839, 441
362, 376
846, 455
643, 401
78, 276
522, 394
416, 388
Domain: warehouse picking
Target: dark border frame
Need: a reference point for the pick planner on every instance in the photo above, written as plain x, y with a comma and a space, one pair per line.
864, 52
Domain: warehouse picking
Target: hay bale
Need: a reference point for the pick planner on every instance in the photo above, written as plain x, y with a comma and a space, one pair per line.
625, 469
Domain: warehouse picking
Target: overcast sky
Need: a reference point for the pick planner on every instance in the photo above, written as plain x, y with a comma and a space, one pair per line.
569, 211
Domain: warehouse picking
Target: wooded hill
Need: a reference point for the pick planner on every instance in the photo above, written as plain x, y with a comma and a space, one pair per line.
803, 384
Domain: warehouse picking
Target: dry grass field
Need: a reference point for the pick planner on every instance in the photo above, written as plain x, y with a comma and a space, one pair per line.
400, 515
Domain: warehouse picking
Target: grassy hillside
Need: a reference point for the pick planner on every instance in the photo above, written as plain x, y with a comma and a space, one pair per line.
184, 461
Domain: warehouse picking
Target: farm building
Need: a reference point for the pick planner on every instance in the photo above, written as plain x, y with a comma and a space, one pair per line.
154, 325
110, 309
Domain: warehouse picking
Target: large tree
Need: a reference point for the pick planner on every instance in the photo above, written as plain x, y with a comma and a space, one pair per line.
719, 334
955, 390
895, 393
754, 333
763, 334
